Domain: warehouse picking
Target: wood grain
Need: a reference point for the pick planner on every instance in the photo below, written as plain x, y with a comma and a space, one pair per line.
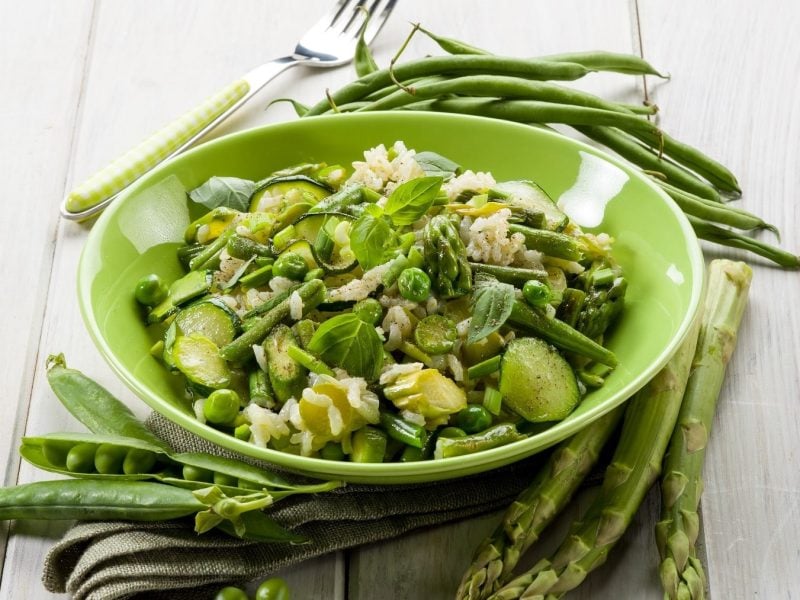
736, 71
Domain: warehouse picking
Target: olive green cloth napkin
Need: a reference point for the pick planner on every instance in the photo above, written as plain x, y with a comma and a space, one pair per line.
107, 560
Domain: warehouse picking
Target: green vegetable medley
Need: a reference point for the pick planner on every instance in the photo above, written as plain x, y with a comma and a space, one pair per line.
396, 310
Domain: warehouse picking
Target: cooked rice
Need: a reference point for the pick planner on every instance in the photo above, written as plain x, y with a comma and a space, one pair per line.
198, 409
264, 424
358, 289
489, 241
381, 174
399, 325
280, 284
295, 306
455, 366
391, 372
468, 181
202, 234
261, 356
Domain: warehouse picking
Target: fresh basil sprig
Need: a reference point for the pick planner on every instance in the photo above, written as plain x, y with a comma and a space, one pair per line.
349, 343
230, 192
436, 165
412, 199
492, 302
372, 238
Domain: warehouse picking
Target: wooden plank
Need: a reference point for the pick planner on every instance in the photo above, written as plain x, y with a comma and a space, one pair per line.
732, 93
37, 114
434, 560
146, 68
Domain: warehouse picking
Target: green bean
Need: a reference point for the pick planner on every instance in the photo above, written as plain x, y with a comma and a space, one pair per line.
499, 435
512, 275
534, 111
558, 245
312, 293
485, 367
309, 361
260, 389
401, 430
691, 158
453, 46
209, 257
638, 154
300, 109
244, 248
715, 211
391, 89
271, 303
726, 237
628, 64
485, 86
528, 68
94, 406
86, 499
571, 304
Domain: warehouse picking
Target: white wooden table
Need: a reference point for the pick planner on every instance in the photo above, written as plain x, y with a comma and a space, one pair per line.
83, 80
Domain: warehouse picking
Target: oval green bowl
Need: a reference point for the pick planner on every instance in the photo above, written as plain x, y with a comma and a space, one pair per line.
655, 245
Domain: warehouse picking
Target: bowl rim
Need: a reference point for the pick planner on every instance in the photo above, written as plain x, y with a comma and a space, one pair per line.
387, 473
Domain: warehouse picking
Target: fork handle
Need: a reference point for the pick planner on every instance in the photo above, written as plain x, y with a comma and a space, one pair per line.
97, 192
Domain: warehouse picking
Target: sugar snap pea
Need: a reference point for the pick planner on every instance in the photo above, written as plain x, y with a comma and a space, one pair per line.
94, 406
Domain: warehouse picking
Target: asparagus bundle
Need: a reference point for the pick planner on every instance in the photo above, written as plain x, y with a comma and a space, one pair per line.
473, 81
649, 419
681, 572
535, 508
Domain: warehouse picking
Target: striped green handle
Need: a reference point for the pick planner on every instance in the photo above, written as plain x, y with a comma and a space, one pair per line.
140, 159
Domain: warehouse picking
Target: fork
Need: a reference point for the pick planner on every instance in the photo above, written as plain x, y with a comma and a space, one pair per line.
330, 42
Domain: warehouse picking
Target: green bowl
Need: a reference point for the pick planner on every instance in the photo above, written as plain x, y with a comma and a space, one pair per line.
655, 245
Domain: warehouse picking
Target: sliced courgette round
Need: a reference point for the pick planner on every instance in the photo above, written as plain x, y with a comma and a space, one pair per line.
288, 190
210, 318
314, 240
197, 357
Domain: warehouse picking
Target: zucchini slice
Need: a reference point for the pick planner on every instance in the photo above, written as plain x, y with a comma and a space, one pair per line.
529, 196
188, 287
292, 189
286, 375
210, 318
197, 357
314, 240
536, 381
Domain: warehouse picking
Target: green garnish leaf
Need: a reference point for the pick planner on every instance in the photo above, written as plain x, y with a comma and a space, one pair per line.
230, 192
492, 302
349, 343
372, 239
412, 199
436, 165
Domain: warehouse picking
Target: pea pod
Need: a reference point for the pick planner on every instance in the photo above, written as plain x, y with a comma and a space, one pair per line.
94, 406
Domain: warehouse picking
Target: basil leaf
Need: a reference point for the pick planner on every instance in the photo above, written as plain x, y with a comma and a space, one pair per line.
492, 302
372, 240
349, 343
230, 192
437, 165
412, 199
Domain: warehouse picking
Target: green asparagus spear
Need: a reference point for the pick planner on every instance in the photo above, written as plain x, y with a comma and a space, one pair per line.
559, 334
535, 508
446, 258
681, 572
649, 420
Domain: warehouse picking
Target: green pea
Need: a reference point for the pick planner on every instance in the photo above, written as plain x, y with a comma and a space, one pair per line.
109, 458
138, 461
221, 407
242, 432
414, 284
150, 290
192, 473
273, 589
231, 593
223, 479
332, 451
473, 418
55, 452
369, 310
536, 293
290, 265
80, 458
